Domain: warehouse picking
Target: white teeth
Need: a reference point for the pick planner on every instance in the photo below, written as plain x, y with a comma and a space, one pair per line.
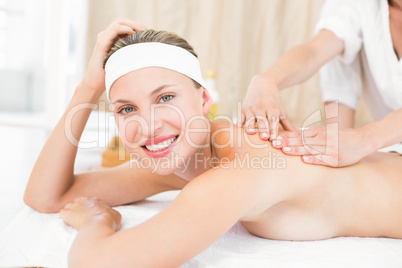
160, 146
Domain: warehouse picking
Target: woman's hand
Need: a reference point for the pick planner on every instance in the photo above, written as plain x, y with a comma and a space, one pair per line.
263, 109
84, 211
95, 75
326, 146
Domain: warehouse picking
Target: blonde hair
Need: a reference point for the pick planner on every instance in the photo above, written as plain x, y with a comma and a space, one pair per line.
152, 36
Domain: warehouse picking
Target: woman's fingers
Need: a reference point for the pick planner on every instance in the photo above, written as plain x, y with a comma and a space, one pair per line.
119, 27
136, 26
84, 210
95, 75
64, 213
107, 37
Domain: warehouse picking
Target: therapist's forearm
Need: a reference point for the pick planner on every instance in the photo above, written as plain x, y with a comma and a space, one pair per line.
294, 67
384, 132
303, 61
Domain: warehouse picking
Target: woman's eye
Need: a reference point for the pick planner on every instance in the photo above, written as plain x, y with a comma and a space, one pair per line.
128, 109
166, 98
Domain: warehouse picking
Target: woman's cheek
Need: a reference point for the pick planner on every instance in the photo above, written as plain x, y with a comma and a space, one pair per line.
130, 133
171, 114
197, 130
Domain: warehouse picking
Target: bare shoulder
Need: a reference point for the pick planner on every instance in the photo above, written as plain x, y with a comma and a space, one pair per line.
229, 140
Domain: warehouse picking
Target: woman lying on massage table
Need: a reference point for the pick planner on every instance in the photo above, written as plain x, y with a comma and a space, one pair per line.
160, 103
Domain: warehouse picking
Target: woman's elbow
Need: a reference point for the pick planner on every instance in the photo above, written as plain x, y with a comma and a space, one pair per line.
41, 205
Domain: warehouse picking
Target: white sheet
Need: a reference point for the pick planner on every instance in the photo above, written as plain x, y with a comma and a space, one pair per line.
35, 239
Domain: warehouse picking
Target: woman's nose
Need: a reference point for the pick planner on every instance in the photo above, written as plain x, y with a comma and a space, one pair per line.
153, 123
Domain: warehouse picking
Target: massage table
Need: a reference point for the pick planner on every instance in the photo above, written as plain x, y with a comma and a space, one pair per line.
36, 239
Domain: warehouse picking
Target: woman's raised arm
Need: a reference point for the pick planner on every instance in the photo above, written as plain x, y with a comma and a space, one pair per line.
53, 173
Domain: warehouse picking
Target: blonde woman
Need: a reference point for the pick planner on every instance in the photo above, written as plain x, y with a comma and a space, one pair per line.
160, 103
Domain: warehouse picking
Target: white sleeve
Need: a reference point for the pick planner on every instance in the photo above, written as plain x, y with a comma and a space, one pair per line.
342, 82
342, 17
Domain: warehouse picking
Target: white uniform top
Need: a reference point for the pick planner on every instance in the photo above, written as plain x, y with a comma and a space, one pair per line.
369, 65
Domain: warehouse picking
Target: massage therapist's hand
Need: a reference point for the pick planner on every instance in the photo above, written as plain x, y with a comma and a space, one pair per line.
95, 75
84, 211
263, 109
326, 146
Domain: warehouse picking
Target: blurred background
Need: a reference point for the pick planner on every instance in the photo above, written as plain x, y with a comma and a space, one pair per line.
46, 44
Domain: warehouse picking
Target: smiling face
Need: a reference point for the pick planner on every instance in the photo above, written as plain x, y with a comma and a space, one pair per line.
160, 115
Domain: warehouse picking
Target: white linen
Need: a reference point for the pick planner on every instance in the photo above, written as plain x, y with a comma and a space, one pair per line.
369, 65
35, 239
393, 148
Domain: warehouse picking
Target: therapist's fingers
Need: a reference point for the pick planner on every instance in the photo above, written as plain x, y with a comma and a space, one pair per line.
288, 139
263, 127
310, 132
313, 136
304, 150
240, 122
273, 126
324, 160
286, 123
282, 142
288, 135
298, 141
314, 132
249, 123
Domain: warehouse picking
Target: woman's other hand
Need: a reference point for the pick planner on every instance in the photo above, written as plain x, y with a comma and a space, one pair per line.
326, 146
263, 110
84, 211
95, 75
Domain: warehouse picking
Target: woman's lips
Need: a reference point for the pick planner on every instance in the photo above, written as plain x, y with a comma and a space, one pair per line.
162, 152
158, 139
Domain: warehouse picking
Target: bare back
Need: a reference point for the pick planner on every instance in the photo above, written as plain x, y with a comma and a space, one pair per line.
359, 200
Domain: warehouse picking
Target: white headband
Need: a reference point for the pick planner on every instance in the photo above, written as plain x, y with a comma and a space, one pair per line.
152, 54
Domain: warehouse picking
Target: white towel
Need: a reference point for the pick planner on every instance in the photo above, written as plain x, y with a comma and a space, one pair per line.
393, 148
35, 239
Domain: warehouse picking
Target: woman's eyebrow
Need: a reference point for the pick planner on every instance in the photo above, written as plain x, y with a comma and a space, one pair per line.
155, 91
121, 101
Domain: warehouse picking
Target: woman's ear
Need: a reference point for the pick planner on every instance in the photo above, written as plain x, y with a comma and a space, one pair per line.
206, 101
